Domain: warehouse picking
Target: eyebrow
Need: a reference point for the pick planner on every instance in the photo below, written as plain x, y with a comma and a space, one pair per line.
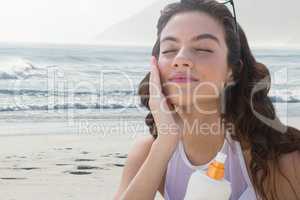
196, 38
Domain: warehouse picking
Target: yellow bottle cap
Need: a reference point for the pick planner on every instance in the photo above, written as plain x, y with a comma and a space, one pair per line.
216, 168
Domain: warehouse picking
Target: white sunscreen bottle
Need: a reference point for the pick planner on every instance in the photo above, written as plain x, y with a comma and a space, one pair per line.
210, 184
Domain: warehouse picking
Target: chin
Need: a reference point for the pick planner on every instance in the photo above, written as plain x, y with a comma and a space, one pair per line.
181, 100
190, 100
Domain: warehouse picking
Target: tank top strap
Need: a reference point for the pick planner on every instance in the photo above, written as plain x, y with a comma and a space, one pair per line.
243, 164
235, 147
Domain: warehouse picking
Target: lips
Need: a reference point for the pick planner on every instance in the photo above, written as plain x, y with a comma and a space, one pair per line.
182, 78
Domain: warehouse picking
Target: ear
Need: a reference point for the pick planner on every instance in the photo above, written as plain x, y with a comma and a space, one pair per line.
229, 77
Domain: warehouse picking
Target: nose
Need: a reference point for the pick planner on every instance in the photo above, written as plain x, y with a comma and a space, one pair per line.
182, 60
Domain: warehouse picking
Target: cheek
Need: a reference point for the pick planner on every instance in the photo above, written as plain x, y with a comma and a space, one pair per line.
164, 69
213, 74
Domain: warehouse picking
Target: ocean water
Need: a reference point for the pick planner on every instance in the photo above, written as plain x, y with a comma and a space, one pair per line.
52, 83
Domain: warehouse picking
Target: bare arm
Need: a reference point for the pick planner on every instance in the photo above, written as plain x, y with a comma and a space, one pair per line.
144, 169
288, 183
283, 181
143, 174
136, 157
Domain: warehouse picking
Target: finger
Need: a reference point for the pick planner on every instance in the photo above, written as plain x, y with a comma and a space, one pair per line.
154, 80
171, 106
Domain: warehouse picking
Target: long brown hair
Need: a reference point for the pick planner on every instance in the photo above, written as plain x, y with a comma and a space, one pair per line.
246, 101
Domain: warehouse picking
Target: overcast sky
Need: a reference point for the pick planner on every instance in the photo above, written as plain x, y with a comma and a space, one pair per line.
132, 21
61, 21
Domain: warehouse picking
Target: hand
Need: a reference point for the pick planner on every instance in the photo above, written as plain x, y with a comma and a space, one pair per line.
163, 111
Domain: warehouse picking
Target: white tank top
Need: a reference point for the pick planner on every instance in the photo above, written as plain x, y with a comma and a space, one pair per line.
180, 169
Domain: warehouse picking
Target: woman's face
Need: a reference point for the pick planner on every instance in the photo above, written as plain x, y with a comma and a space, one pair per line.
192, 46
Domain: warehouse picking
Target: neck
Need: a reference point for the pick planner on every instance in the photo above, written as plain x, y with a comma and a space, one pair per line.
196, 121
202, 129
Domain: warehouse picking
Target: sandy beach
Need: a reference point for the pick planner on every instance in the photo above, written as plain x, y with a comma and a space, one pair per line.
75, 166
65, 166
61, 166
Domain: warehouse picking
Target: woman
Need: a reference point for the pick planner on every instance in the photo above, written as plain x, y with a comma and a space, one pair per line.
206, 93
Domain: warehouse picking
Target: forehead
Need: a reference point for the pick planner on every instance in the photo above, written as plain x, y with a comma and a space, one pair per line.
185, 26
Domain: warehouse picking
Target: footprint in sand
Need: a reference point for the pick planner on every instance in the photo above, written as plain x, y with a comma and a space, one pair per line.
62, 164
87, 167
84, 167
25, 168
116, 155
115, 165
12, 178
78, 172
118, 165
83, 159
107, 155
121, 156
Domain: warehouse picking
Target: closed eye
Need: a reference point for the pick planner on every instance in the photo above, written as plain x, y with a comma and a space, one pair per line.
174, 50
204, 50
169, 51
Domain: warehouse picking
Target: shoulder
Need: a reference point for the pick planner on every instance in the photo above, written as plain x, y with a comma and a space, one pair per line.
289, 159
289, 164
140, 149
287, 178
138, 154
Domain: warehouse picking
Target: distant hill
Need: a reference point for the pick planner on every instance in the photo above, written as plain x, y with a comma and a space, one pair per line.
266, 23
139, 29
